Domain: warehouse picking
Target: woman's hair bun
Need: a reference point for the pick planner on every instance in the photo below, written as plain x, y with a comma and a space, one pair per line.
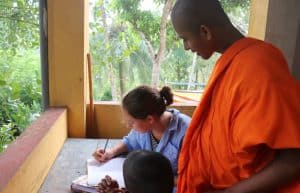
167, 95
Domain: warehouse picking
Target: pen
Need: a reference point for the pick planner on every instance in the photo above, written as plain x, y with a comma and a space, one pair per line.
97, 145
105, 146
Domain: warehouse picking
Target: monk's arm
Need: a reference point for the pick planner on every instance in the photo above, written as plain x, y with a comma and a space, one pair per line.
284, 169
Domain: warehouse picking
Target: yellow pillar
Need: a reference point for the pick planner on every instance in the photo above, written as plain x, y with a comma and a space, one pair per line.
258, 18
68, 47
277, 22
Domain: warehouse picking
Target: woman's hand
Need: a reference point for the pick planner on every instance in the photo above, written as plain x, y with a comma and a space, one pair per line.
106, 155
102, 156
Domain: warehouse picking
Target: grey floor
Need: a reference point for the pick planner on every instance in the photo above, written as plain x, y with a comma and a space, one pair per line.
71, 163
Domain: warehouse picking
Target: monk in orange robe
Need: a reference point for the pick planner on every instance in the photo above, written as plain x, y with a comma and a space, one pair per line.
244, 135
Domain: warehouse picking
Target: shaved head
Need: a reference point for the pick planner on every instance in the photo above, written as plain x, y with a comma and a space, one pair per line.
148, 172
191, 14
203, 26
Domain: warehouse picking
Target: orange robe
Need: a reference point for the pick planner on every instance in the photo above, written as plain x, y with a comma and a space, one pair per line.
251, 107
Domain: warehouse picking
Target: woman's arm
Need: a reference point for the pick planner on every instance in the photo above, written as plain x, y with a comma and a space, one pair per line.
175, 180
102, 155
118, 149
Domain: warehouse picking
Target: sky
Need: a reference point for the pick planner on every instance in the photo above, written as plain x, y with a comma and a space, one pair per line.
146, 5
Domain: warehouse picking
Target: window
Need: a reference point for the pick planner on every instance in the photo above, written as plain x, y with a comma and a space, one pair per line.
125, 43
20, 77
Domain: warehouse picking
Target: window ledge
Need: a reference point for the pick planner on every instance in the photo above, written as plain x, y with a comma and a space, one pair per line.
26, 161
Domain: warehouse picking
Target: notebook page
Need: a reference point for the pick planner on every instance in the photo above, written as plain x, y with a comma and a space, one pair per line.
97, 171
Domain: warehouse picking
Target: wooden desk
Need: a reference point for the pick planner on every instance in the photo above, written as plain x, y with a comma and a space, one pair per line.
71, 163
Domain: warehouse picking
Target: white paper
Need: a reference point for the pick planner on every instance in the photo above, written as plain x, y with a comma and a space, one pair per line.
82, 181
80, 185
97, 171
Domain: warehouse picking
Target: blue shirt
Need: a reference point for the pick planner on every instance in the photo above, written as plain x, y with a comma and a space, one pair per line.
170, 143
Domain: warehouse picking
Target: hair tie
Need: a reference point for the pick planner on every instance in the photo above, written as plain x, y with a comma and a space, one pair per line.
165, 100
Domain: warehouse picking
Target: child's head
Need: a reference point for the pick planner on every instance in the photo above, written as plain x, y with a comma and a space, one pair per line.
145, 101
148, 172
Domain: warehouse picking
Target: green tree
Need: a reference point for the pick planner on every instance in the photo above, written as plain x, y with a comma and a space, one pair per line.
20, 94
238, 12
19, 25
152, 26
139, 32
20, 81
111, 45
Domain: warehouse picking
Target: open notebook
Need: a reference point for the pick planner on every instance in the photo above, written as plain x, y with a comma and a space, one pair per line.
97, 171
80, 185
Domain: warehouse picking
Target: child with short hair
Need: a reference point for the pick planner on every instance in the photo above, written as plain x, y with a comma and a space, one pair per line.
144, 172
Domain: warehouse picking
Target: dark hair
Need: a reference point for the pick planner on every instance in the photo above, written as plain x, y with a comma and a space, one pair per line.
148, 172
194, 13
145, 100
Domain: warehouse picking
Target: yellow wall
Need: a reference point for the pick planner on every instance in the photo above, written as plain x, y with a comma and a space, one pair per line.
109, 119
278, 22
68, 47
258, 18
32, 172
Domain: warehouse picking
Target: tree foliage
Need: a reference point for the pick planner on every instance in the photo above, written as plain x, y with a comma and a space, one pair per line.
121, 33
238, 12
142, 20
112, 48
143, 25
20, 94
228, 5
20, 81
19, 25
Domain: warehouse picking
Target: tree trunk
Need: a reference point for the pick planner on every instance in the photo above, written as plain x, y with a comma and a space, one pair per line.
122, 78
111, 73
157, 58
196, 78
178, 77
202, 75
191, 76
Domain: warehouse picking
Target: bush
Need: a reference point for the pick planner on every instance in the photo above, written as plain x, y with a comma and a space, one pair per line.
20, 95
7, 134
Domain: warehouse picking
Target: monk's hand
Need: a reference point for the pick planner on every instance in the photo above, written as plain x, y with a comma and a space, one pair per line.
108, 185
124, 190
218, 191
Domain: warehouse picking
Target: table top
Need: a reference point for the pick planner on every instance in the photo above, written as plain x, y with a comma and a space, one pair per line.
71, 163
